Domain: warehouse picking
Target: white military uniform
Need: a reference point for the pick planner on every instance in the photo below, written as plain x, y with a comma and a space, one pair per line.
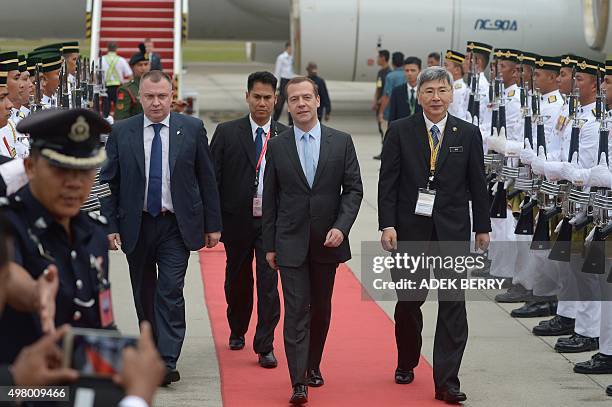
551, 108
461, 94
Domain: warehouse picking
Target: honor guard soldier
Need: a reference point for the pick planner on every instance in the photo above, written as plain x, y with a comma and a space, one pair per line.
50, 65
128, 102
453, 62
476, 61
49, 228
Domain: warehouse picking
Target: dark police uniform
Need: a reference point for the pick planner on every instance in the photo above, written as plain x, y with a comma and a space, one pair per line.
67, 139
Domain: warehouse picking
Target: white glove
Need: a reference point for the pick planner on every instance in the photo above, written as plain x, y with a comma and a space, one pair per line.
552, 170
527, 154
539, 163
14, 175
513, 148
496, 143
600, 175
577, 175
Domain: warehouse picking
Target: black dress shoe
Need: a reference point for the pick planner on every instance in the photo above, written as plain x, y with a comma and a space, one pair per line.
451, 395
609, 390
267, 360
533, 309
403, 376
315, 379
556, 326
171, 376
599, 364
516, 293
236, 342
300, 394
576, 344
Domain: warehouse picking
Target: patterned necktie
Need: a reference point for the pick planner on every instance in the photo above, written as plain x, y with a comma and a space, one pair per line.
435, 135
154, 192
258, 142
308, 159
411, 101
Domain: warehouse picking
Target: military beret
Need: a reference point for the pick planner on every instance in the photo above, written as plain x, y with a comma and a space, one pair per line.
70, 47
588, 66
9, 61
479, 48
141, 55
454, 56
527, 58
548, 63
67, 138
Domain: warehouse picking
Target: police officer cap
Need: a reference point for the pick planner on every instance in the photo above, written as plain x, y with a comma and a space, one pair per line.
527, 58
568, 60
548, 63
140, 56
454, 56
507, 54
9, 61
67, 138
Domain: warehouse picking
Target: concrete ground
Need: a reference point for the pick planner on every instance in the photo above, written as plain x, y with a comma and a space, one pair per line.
504, 364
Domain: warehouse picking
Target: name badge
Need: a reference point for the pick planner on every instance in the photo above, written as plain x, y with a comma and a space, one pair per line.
257, 206
425, 202
456, 149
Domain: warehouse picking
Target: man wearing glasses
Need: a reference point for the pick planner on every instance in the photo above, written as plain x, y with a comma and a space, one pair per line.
429, 163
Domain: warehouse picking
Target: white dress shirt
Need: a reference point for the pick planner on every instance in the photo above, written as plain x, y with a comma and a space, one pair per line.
148, 134
284, 66
262, 167
441, 125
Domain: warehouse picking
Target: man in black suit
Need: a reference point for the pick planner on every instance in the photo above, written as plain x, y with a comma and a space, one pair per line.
437, 152
312, 194
403, 101
164, 203
239, 150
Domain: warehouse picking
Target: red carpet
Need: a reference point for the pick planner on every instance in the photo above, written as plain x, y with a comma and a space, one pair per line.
358, 362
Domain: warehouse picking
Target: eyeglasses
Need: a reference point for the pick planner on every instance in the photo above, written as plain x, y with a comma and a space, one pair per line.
442, 92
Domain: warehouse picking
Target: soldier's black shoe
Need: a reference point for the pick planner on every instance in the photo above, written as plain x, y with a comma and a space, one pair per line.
609, 390
516, 293
576, 344
556, 326
598, 364
533, 309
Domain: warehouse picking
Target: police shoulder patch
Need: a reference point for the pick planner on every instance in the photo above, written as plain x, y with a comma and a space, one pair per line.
511, 93
552, 99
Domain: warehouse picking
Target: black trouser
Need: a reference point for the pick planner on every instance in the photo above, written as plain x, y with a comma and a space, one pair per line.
307, 293
157, 271
451, 327
280, 102
239, 292
111, 91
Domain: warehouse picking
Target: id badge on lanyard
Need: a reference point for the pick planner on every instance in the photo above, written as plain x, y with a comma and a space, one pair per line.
427, 196
257, 198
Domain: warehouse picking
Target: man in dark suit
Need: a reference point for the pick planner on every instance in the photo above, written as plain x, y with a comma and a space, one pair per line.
403, 101
163, 204
437, 152
239, 149
312, 194
325, 108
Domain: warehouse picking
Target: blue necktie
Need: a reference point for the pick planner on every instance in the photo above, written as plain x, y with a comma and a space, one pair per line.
154, 192
308, 159
258, 142
435, 135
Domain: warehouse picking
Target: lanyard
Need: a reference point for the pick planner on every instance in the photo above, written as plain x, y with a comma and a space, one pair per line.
262, 154
433, 157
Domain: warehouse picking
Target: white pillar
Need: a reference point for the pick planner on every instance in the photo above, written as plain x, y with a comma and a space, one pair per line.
178, 56
96, 18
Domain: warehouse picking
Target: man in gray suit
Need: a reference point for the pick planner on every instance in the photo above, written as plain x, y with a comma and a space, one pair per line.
164, 203
312, 193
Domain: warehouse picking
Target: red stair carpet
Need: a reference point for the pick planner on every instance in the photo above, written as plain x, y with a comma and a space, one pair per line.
358, 363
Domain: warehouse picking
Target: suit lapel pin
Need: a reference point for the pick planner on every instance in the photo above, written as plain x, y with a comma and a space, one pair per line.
454, 129
178, 132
